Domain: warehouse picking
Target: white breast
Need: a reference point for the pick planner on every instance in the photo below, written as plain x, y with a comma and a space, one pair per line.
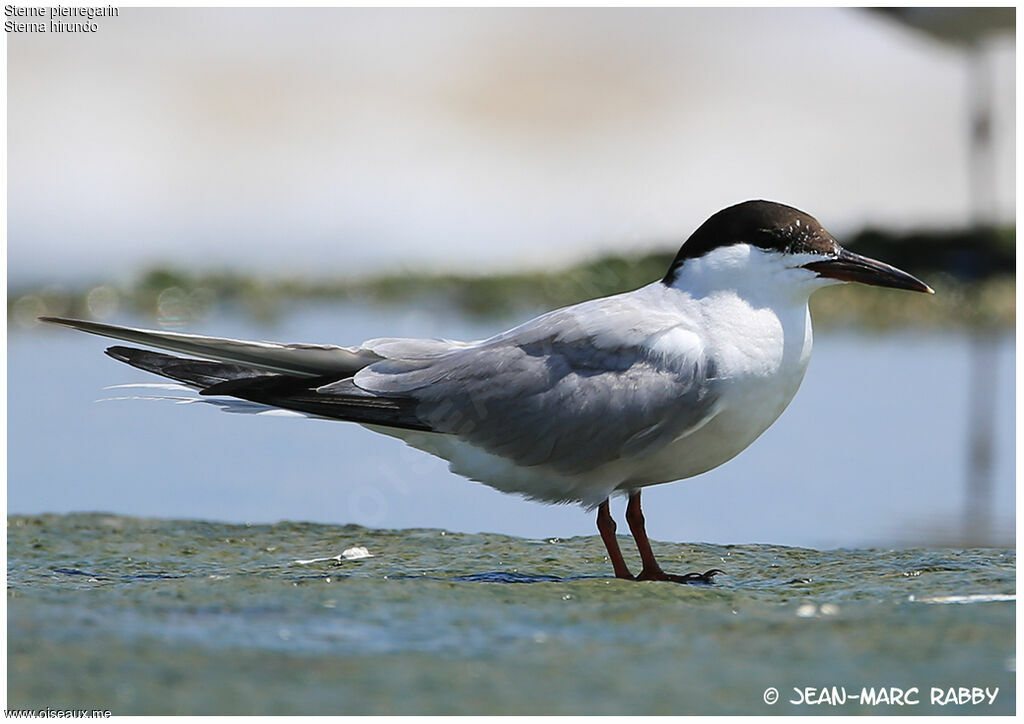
760, 366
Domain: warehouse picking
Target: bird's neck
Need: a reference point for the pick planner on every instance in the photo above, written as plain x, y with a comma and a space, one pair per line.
752, 310
743, 272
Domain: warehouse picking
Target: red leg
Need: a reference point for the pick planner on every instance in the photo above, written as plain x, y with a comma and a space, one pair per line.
606, 526
651, 570
635, 518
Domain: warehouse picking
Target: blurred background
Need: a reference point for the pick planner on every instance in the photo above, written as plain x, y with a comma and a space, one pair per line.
330, 175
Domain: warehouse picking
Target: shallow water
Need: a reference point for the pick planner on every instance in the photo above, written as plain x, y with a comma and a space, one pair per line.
146, 616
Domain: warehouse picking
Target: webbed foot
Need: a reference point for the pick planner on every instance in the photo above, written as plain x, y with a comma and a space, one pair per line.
699, 579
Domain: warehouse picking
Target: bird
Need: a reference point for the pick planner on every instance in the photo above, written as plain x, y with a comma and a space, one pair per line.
599, 399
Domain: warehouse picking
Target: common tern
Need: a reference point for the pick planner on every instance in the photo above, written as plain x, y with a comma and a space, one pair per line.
604, 397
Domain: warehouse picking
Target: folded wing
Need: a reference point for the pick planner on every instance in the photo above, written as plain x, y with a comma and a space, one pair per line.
570, 390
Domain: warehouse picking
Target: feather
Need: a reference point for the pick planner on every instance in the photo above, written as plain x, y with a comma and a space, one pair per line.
298, 359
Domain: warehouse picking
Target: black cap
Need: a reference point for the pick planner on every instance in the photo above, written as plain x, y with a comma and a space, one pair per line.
765, 224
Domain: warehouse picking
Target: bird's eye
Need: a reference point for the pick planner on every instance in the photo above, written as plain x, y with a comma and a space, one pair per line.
764, 238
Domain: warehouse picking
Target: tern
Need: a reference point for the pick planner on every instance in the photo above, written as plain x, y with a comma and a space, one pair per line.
601, 398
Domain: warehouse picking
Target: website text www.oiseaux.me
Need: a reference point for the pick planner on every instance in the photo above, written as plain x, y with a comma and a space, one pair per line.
57, 713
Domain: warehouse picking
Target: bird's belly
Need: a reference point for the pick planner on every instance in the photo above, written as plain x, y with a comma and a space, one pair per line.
535, 482
716, 443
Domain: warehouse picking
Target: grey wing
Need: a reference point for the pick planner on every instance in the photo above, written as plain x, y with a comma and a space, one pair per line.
568, 390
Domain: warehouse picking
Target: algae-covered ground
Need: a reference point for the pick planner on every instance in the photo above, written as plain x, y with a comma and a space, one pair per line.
142, 616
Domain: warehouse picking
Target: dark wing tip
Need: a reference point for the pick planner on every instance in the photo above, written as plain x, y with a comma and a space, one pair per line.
82, 325
121, 354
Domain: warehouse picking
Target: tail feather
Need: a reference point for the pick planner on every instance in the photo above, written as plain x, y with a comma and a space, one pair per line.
314, 380
343, 400
200, 374
303, 360
337, 399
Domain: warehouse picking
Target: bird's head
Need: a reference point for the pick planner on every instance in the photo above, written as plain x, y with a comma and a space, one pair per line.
773, 247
